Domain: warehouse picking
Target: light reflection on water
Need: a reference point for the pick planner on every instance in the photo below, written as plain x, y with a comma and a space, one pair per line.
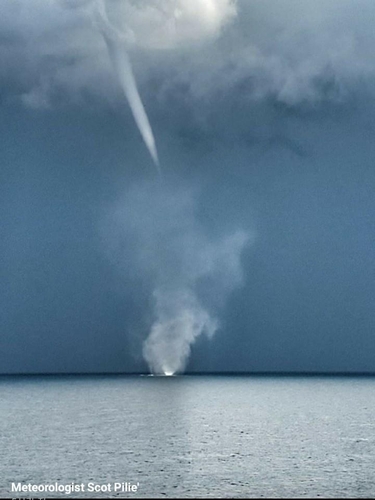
192, 436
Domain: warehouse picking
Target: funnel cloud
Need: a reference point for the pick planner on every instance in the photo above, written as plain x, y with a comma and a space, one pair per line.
116, 45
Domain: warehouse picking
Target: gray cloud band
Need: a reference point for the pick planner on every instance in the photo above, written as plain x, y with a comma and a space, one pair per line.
293, 52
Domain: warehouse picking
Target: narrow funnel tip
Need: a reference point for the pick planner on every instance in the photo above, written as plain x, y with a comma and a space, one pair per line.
154, 156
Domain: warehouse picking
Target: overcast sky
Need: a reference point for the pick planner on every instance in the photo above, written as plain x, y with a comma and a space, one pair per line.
256, 246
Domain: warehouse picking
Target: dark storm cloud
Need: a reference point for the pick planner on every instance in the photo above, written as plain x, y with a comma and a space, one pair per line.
267, 116
295, 52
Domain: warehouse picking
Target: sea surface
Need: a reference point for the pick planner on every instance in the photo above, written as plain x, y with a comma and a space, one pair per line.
190, 436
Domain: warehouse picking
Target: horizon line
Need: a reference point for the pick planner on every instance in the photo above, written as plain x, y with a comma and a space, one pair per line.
200, 373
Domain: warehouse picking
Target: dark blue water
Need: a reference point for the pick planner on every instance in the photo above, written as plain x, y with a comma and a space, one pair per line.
190, 436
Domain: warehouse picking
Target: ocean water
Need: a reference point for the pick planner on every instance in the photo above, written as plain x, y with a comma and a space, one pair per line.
189, 436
